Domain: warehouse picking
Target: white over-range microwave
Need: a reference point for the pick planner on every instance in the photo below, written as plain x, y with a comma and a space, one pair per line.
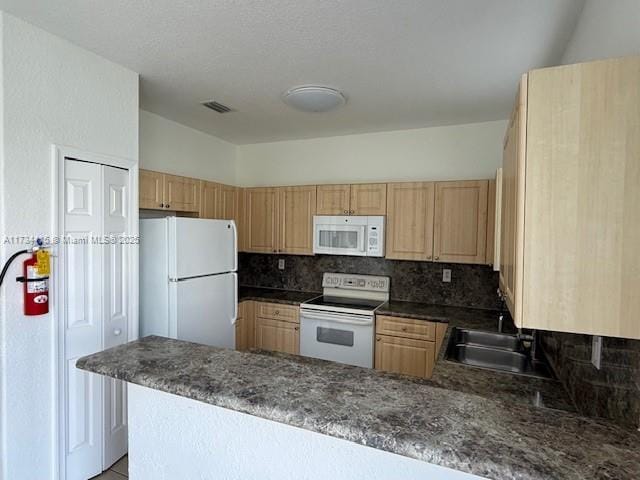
349, 235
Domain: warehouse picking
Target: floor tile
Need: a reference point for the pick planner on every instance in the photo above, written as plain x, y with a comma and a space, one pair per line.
110, 475
121, 466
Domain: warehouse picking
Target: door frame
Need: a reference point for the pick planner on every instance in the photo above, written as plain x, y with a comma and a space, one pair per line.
58, 154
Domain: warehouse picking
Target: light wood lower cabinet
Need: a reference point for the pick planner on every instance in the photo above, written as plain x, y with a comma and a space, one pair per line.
407, 346
245, 326
277, 327
405, 356
277, 336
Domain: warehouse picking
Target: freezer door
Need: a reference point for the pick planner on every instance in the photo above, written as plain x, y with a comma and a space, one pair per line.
206, 309
201, 247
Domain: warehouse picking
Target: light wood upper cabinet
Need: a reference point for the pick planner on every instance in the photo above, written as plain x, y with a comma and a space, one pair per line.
262, 219
181, 194
512, 215
359, 199
491, 222
460, 222
151, 189
161, 191
333, 199
571, 202
297, 207
409, 232
368, 199
209, 199
228, 205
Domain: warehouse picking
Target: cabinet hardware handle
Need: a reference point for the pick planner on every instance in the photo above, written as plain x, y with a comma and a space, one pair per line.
297, 328
428, 257
345, 212
437, 258
378, 339
277, 312
167, 206
404, 329
162, 205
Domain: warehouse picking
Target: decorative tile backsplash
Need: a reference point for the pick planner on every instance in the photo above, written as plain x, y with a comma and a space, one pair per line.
612, 392
470, 286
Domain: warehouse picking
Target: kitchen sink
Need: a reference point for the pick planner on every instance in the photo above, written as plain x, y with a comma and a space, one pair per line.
486, 339
494, 351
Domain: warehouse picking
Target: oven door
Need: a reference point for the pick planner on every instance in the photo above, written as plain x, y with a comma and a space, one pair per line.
339, 236
344, 338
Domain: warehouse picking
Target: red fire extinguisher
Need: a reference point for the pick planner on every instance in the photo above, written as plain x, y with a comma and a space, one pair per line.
36, 288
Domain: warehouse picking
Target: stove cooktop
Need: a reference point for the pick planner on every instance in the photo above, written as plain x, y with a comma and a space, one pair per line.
334, 302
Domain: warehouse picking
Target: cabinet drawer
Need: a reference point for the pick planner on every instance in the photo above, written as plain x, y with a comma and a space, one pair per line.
277, 311
406, 327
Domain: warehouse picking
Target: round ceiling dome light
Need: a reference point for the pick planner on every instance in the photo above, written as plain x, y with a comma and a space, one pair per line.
313, 98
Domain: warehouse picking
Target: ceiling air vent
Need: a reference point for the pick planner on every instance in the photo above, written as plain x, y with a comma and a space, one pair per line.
218, 107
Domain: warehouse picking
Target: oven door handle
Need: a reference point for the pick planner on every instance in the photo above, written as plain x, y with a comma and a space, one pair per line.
335, 317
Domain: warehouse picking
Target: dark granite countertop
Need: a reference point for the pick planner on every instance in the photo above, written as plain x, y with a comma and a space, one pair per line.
450, 428
274, 295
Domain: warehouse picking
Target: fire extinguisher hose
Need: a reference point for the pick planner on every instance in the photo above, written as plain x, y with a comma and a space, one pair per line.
8, 264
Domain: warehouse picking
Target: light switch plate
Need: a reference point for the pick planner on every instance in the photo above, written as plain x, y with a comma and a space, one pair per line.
281, 264
446, 275
596, 351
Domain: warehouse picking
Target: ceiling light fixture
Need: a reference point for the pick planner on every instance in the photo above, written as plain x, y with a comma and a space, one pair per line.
313, 98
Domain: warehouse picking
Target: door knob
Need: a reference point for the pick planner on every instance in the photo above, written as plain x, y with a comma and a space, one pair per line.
117, 331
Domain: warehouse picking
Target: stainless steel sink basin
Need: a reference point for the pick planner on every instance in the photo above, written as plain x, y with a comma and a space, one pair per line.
494, 351
487, 339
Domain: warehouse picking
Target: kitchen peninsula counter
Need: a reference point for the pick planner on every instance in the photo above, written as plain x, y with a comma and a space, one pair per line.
443, 427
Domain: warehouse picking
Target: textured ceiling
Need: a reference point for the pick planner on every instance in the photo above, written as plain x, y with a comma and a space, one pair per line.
402, 63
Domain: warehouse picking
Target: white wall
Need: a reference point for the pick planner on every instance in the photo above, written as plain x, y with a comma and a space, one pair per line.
606, 28
52, 92
438, 153
170, 147
172, 437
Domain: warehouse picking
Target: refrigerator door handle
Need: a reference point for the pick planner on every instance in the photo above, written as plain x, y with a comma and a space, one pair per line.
235, 299
235, 245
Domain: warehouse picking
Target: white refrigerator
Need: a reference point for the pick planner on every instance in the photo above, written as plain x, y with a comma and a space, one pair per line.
188, 279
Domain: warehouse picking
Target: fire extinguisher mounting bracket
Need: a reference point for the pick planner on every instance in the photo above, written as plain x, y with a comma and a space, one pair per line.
21, 279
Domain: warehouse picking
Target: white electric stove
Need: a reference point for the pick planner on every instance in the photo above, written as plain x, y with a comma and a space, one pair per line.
340, 325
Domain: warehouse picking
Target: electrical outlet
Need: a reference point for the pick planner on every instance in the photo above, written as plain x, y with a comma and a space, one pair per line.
446, 275
281, 264
596, 351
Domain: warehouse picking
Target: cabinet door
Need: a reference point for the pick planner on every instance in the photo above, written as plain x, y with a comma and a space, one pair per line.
333, 199
582, 223
277, 336
262, 220
181, 193
512, 206
297, 208
209, 199
369, 199
460, 222
245, 326
410, 221
491, 222
150, 189
228, 207
405, 356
